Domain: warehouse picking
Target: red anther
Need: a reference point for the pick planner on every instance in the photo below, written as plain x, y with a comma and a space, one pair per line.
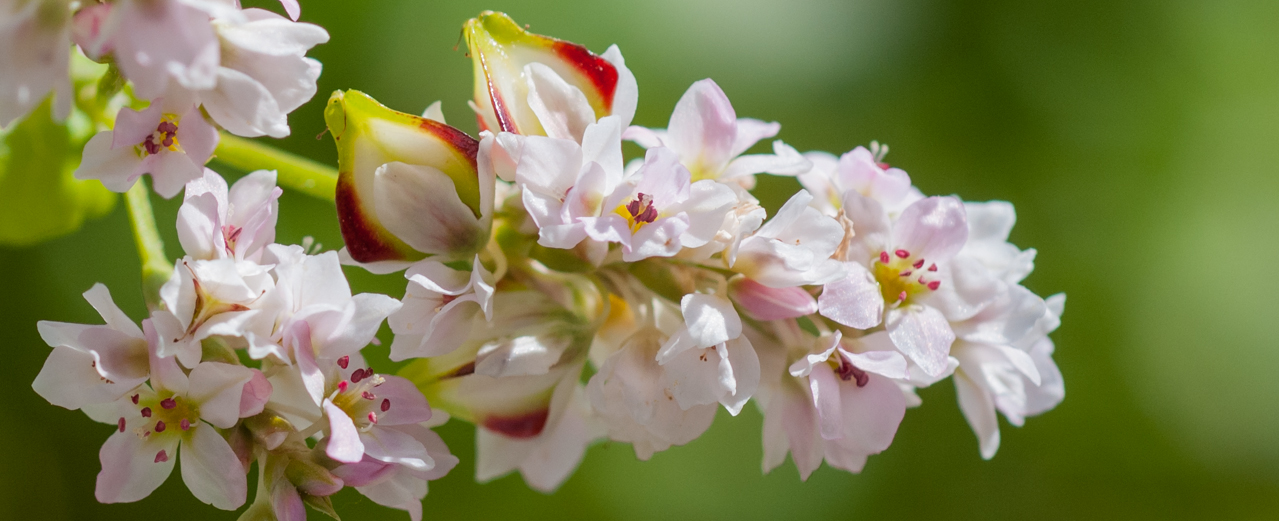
159, 426
905, 273
342, 386
161, 457
168, 403
932, 268
883, 166
120, 424
883, 257
918, 264
901, 296
902, 254
386, 404
373, 418
921, 280
344, 361
357, 376
146, 412
135, 399
367, 395
934, 285
185, 424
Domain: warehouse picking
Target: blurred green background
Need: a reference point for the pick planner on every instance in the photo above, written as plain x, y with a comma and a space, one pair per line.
1137, 140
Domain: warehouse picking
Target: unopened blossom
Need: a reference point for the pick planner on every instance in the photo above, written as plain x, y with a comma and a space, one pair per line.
906, 261
862, 170
170, 140
793, 248
409, 187
708, 359
264, 73
216, 223
710, 139
658, 210
837, 402
180, 410
533, 85
633, 396
94, 364
35, 40
439, 308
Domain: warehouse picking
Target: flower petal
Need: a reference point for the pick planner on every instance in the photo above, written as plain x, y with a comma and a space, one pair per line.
211, 469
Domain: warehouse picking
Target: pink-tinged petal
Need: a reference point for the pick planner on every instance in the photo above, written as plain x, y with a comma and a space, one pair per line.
132, 126
858, 170
393, 446
751, 131
407, 405
923, 335
420, 205
871, 228
286, 503
645, 137
119, 357
244, 106
197, 136
658, 239
170, 171
165, 372
344, 443
824, 387
255, 396
548, 166
561, 108
131, 468
871, 416
500, 49
854, 301
199, 226
934, 228
211, 469
520, 356
703, 128
444, 460
877, 354
979, 410
708, 202
626, 92
699, 377
663, 178
765, 303
741, 356
299, 336
801, 427
68, 379
118, 169
292, 8
709, 319
369, 135
219, 388
100, 298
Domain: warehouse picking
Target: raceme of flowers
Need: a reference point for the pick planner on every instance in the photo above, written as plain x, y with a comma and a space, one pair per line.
529, 251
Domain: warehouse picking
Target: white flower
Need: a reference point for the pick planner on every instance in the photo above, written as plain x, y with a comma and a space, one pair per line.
94, 364
439, 308
708, 360
169, 140
35, 38
161, 45
861, 170
710, 138
214, 223
794, 248
205, 298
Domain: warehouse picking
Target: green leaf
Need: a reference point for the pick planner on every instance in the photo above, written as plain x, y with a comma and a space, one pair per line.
39, 198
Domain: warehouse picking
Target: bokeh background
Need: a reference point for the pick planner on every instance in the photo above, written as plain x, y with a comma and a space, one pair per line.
1137, 140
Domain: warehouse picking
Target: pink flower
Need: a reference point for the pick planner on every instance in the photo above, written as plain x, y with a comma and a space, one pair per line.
169, 140
214, 223
439, 308
34, 41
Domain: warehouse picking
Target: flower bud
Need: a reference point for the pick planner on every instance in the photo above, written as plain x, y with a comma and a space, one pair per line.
510, 62
408, 187
764, 303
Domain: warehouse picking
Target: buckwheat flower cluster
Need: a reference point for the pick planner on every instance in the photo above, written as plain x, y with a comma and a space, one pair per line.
557, 293
252, 355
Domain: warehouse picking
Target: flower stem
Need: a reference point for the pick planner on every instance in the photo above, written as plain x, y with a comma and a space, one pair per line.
295, 172
156, 267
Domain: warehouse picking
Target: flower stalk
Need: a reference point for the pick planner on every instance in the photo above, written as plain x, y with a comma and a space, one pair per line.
156, 267
294, 172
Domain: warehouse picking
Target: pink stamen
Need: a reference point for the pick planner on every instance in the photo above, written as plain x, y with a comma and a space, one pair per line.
120, 424
918, 264
373, 418
168, 403
135, 399
367, 395
901, 296
905, 273
185, 424
342, 386
386, 404
146, 412
160, 426
884, 258
344, 361
934, 285
357, 376
932, 268
902, 254
161, 457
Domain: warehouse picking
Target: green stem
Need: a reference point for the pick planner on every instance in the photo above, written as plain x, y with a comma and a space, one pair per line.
295, 172
156, 267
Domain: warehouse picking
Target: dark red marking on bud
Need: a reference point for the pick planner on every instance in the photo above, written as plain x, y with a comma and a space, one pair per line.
601, 73
467, 369
522, 427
